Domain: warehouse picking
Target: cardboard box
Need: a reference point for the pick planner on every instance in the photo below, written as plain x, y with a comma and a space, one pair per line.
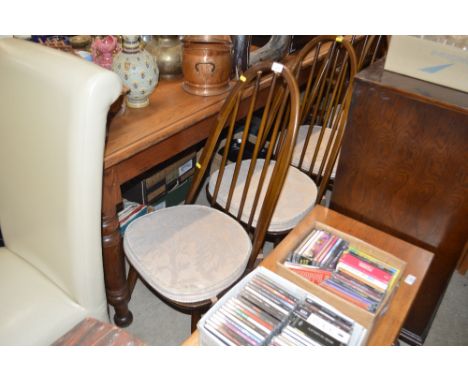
429, 61
206, 338
162, 180
358, 314
172, 197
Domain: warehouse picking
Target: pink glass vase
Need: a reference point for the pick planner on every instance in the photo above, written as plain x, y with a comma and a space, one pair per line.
103, 50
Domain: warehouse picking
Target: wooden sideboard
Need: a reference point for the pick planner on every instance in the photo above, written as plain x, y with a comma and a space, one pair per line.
403, 169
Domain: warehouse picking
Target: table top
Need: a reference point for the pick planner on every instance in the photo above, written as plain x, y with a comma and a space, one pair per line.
171, 110
387, 327
415, 88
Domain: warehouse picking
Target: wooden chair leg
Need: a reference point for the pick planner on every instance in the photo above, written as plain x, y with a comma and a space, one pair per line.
131, 279
196, 315
277, 239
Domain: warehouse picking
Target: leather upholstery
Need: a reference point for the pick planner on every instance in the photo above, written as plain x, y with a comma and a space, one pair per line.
53, 107
31, 304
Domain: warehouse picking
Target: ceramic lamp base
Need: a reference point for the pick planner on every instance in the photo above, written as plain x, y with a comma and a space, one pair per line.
138, 71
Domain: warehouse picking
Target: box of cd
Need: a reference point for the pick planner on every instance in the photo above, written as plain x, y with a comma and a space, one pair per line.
252, 311
353, 276
267, 309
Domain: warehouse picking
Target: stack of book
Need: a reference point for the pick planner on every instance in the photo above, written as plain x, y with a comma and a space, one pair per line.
313, 324
130, 212
253, 315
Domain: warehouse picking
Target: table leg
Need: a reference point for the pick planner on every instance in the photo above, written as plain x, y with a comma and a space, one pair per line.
113, 258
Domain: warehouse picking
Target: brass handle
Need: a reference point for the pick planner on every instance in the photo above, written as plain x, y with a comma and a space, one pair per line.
212, 64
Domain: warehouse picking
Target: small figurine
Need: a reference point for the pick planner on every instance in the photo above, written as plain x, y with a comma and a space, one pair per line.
102, 51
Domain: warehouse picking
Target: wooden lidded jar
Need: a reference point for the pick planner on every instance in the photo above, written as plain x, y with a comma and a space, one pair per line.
206, 64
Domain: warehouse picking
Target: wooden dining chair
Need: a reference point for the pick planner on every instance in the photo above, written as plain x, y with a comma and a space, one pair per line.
190, 254
368, 49
329, 66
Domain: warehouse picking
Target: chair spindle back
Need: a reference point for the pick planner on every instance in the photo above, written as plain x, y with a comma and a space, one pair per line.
325, 102
265, 148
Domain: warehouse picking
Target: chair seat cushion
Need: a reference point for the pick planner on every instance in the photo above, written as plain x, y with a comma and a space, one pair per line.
188, 253
297, 197
34, 311
300, 142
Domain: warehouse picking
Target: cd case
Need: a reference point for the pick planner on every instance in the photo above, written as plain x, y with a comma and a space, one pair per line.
266, 309
355, 312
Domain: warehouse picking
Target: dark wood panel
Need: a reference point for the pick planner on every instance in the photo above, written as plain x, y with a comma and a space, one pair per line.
403, 169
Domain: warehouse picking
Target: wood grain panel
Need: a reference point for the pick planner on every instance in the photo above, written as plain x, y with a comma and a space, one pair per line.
91, 332
403, 169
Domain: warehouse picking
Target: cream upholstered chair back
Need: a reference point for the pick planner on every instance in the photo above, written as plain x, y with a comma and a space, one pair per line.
53, 109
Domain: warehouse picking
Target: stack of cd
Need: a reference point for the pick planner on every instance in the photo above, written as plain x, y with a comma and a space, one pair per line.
254, 315
313, 324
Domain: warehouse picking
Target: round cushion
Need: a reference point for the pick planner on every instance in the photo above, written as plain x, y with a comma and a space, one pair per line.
300, 142
297, 197
188, 253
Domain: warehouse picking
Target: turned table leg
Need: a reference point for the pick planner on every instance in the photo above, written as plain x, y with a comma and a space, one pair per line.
113, 258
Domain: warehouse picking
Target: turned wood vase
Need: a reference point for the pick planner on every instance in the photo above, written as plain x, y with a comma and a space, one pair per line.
206, 64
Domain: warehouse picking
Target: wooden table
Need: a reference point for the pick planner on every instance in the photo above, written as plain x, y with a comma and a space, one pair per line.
387, 328
141, 139
403, 169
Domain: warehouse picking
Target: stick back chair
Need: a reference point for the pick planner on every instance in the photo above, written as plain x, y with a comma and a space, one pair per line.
369, 49
324, 106
190, 254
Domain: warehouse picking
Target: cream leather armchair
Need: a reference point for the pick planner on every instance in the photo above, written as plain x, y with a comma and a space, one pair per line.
53, 109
